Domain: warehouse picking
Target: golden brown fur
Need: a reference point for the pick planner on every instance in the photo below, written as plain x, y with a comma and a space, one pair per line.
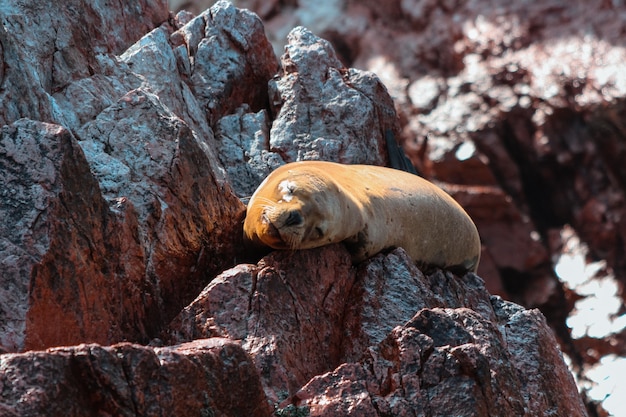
309, 204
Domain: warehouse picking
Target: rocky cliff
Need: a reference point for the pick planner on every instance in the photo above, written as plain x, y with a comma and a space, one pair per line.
131, 139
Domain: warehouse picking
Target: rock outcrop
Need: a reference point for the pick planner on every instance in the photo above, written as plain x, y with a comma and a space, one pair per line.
382, 339
204, 377
521, 107
131, 138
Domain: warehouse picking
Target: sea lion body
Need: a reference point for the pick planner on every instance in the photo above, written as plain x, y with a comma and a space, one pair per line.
309, 204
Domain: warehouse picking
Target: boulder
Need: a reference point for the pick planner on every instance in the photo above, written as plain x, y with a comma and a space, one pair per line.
204, 377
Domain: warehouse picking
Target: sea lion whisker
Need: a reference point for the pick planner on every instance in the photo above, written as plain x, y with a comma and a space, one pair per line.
292, 242
266, 200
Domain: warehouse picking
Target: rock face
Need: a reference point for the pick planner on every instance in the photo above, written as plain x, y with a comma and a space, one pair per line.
382, 339
205, 377
72, 45
320, 339
130, 138
520, 106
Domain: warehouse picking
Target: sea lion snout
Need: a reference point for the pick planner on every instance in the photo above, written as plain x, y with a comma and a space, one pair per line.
271, 230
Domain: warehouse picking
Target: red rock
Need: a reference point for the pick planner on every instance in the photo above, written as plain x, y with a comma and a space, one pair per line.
277, 309
232, 60
213, 376
76, 253
69, 47
301, 314
449, 362
120, 207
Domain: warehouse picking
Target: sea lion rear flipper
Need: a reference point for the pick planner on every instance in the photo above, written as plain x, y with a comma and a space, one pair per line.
397, 157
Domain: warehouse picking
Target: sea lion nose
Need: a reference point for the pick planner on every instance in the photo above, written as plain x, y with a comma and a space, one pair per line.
294, 218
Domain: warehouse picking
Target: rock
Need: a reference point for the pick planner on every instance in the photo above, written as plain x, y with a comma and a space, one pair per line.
448, 362
195, 7
348, 127
377, 355
231, 60
204, 377
185, 216
522, 99
123, 154
67, 239
67, 48
282, 309
243, 140
58, 244
158, 221
425, 92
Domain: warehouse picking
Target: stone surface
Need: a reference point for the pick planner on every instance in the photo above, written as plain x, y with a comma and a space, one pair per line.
66, 47
519, 106
319, 110
341, 114
71, 247
331, 339
159, 220
51, 203
448, 362
283, 310
231, 60
244, 139
204, 377
129, 134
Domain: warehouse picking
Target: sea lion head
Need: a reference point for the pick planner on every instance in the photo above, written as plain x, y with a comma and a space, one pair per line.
294, 210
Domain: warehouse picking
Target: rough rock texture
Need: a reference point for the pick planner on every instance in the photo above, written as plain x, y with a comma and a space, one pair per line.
322, 111
204, 377
448, 362
351, 342
343, 113
519, 105
134, 201
66, 47
255, 304
128, 136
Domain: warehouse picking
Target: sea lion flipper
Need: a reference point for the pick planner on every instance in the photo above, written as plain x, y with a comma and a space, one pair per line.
397, 157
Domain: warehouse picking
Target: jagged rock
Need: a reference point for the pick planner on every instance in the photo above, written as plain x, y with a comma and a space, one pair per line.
283, 310
121, 209
321, 110
83, 256
231, 60
522, 98
340, 340
52, 245
68, 47
203, 377
159, 221
325, 111
243, 143
451, 362
186, 219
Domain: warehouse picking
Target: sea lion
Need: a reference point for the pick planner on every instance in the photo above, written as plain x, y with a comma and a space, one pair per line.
308, 204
